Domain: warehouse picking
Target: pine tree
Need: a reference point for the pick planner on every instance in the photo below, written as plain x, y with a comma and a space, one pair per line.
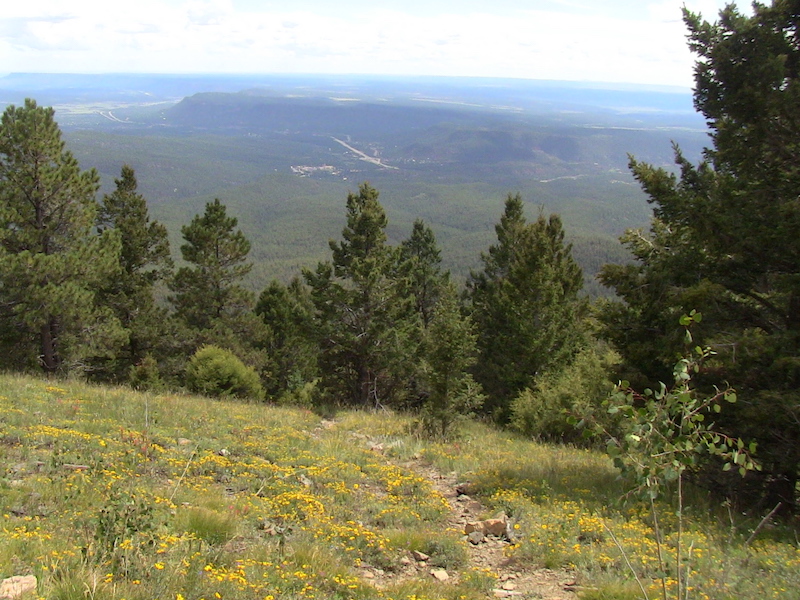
363, 321
288, 313
420, 265
208, 296
449, 350
144, 261
51, 261
210, 290
724, 240
526, 306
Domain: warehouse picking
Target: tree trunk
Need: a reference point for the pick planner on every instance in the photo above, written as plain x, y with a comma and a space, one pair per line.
49, 357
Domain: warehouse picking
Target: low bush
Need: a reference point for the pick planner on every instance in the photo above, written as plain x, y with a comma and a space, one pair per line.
543, 412
218, 372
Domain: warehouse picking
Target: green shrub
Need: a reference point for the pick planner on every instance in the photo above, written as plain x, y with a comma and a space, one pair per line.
145, 376
542, 412
215, 371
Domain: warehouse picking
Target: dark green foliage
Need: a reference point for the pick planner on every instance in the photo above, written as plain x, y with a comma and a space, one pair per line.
449, 351
215, 371
208, 291
544, 411
145, 375
725, 240
208, 298
420, 265
525, 304
290, 346
144, 261
51, 262
365, 326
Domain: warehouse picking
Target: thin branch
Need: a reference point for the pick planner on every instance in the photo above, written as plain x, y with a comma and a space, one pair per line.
628, 562
762, 523
177, 485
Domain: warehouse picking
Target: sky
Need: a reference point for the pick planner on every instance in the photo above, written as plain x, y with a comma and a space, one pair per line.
630, 41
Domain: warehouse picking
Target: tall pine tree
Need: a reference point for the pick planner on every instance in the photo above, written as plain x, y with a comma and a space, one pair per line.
208, 296
209, 291
449, 350
724, 241
364, 323
525, 304
290, 346
144, 261
420, 265
51, 261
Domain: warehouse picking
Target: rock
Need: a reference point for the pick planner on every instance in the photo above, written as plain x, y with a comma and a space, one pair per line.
368, 575
474, 506
473, 526
500, 593
419, 556
440, 574
509, 586
496, 527
464, 488
476, 537
16, 586
405, 561
224, 452
184, 442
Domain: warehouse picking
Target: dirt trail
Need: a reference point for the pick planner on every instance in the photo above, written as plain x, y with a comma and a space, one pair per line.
515, 579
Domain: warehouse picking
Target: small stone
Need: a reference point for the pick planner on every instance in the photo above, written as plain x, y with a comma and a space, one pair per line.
473, 526
500, 593
419, 556
224, 452
496, 527
369, 575
509, 586
476, 537
184, 442
16, 586
405, 561
474, 506
440, 574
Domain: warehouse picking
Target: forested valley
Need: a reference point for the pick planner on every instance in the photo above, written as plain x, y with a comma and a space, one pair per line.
89, 288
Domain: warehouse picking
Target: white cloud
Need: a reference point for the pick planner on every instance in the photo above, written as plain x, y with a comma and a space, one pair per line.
212, 36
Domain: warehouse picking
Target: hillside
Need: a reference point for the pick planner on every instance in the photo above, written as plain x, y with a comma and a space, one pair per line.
108, 493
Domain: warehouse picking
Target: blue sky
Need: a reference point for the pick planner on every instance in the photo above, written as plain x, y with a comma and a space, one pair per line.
634, 41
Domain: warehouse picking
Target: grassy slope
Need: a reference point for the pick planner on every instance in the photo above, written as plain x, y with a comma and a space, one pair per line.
107, 493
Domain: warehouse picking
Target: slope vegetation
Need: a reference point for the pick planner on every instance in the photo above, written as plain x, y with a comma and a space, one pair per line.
107, 493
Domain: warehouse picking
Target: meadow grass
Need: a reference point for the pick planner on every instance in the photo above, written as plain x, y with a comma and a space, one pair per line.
108, 493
